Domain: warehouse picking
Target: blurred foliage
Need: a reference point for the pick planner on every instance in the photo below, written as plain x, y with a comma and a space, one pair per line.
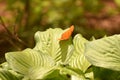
29, 16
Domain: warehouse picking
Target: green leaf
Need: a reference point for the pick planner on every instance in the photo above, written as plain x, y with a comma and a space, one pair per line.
9, 75
5, 66
76, 74
105, 74
78, 63
55, 75
71, 71
89, 73
104, 52
73, 77
39, 73
48, 42
30, 62
67, 49
78, 59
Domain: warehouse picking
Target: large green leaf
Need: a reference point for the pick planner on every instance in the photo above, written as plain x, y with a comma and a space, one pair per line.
30, 62
104, 52
67, 49
76, 74
78, 59
48, 42
9, 75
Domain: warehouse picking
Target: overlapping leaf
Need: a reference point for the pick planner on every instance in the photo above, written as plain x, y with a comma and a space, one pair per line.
104, 52
78, 59
29, 62
48, 42
9, 75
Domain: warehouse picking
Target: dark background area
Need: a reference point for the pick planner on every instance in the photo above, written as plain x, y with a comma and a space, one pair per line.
20, 19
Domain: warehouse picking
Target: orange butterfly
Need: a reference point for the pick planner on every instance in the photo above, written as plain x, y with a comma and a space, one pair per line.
66, 35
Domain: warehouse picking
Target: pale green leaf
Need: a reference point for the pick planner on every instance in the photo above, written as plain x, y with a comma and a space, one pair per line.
73, 77
71, 71
39, 73
5, 66
89, 73
104, 52
92, 38
76, 74
30, 62
55, 75
78, 59
9, 75
48, 42
67, 49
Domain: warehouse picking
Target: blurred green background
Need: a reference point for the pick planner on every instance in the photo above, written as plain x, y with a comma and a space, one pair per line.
20, 19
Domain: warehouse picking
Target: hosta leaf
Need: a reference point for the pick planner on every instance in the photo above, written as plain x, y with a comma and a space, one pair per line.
29, 61
48, 42
66, 50
89, 73
8, 75
76, 74
71, 71
104, 52
5, 66
55, 75
39, 73
78, 59
77, 78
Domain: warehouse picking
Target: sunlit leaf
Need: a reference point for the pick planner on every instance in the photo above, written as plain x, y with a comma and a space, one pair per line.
78, 59
48, 42
5, 66
104, 52
66, 50
9, 75
30, 62
55, 75
73, 77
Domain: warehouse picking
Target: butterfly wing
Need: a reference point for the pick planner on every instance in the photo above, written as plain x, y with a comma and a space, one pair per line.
66, 35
